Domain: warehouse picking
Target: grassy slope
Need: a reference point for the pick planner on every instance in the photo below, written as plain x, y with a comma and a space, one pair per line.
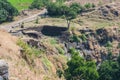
21, 4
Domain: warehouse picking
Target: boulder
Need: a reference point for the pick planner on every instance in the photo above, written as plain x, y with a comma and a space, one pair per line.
3, 70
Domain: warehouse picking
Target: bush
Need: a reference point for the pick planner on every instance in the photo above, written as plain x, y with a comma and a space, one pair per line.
109, 70
39, 4
83, 37
108, 44
59, 72
60, 50
53, 41
75, 38
89, 5
80, 69
76, 7
7, 11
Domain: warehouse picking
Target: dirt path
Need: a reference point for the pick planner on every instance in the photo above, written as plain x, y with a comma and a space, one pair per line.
9, 26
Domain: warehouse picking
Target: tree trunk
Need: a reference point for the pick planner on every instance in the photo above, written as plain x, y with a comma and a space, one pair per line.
68, 24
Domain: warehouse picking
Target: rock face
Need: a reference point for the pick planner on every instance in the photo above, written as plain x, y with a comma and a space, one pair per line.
3, 70
94, 47
110, 12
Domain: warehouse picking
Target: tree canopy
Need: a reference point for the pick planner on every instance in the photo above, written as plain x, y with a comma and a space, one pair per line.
110, 70
59, 9
39, 4
80, 69
7, 11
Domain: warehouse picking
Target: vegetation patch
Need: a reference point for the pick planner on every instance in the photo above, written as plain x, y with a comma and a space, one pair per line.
53, 41
21, 4
108, 44
7, 11
60, 50
28, 50
38, 4
78, 68
47, 63
83, 37
75, 38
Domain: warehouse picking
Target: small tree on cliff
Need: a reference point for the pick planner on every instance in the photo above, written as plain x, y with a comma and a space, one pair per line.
55, 9
69, 16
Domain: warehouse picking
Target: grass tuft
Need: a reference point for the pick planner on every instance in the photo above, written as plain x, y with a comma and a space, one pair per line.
27, 49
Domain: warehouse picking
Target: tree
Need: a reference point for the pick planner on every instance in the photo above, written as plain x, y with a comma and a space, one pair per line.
39, 4
52, 9
55, 9
80, 69
110, 69
3, 15
7, 11
71, 14
76, 7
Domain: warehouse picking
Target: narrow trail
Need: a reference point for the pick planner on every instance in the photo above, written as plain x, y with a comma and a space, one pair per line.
9, 26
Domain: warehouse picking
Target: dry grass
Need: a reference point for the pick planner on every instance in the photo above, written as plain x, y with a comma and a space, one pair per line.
97, 2
18, 67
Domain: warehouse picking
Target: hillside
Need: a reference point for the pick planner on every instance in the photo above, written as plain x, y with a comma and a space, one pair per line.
97, 2
61, 42
45, 65
108, 11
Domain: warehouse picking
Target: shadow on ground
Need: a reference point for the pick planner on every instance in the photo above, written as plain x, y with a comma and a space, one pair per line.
47, 30
53, 30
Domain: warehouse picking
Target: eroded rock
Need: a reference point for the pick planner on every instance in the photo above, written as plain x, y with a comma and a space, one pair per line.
3, 70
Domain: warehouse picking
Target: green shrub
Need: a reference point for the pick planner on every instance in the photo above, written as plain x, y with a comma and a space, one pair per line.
59, 72
60, 50
80, 69
75, 38
108, 44
53, 41
7, 11
77, 7
83, 37
39, 4
89, 5
109, 70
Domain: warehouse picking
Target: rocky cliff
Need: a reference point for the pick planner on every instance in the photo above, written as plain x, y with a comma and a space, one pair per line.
108, 11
